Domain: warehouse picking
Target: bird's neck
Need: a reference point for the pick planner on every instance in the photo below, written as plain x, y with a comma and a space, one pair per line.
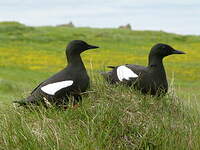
156, 65
155, 61
157, 71
75, 60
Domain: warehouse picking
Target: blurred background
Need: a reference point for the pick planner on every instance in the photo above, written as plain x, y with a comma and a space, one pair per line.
181, 16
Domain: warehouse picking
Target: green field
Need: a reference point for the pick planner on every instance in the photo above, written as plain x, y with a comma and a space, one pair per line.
110, 117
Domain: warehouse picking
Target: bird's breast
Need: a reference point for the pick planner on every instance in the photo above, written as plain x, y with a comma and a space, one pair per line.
152, 82
82, 81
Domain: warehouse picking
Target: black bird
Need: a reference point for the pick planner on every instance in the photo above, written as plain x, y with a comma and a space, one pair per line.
149, 80
69, 82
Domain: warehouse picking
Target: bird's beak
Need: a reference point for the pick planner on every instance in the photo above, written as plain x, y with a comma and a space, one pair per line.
92, 47
178, 52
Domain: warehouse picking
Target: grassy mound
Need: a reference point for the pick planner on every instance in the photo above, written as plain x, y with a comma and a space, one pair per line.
110, 118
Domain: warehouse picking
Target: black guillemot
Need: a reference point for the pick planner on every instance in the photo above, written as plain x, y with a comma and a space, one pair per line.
71, 81
149, 80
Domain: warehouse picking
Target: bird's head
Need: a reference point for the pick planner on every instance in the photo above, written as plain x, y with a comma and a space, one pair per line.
162, 50
77, 47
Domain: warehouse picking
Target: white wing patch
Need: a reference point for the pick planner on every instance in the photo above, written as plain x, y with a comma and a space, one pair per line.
52, 88
124, 72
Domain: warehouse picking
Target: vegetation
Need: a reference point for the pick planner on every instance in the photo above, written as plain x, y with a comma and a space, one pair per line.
111, 117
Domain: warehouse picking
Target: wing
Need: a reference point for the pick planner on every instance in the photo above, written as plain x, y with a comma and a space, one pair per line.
127, 74
53, 88
137, 69
124, 73
58, 77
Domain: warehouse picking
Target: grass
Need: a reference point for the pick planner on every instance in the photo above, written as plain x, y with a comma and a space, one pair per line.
110, 117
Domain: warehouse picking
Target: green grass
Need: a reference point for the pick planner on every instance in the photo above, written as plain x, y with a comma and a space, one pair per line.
110, 117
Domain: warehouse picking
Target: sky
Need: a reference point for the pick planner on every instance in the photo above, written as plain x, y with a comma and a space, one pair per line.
176, 16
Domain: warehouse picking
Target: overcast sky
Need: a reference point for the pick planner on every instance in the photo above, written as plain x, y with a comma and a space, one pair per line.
180, 16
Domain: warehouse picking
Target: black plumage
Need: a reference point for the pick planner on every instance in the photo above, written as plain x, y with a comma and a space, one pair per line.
149, 80
71, 81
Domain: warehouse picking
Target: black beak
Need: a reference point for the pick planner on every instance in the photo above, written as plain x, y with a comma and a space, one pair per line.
178, 52
92, 47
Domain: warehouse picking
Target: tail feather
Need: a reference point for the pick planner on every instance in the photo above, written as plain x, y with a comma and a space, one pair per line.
112, 67
22, 102
104, 74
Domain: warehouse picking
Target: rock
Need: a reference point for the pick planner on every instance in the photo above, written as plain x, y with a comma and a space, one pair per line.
128, 26
70, 24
